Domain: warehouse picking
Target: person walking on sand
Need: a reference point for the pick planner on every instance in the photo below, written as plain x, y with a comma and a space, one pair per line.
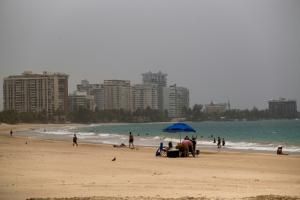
75, 140
219, 143
11, 133
131, 139
223, 142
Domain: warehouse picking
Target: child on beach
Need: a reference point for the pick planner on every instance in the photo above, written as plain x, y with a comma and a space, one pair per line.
11, 132
131, 140
75, 140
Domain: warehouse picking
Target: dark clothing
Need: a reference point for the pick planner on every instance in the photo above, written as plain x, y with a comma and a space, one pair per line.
223, 142
131, 140
75, 140
170, 145
219, 142
194, 141
279, 150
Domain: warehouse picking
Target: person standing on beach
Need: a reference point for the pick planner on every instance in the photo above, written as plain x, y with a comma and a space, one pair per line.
223, 142
11, 132
219, 142
131, 139
75, 140
214, 140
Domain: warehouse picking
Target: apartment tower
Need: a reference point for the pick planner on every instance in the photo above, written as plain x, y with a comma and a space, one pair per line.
117, 95
160, 79
47, 92
176, 100
145, 96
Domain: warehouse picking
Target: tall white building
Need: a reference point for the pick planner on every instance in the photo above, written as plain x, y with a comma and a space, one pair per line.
175, 100
117, 95
156, 78
145, 96
29, 92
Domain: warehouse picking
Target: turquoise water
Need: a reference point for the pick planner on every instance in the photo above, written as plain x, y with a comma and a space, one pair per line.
264, 135
261, 135
270, 131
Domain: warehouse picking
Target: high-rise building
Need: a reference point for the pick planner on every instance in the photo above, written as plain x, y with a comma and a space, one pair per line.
98, 94
117, 95
95, 90
81, 100
283, 108
145, 96
156, 78
176, 100
47, 92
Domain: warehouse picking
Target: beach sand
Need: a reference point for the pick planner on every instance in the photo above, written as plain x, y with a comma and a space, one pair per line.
47, 168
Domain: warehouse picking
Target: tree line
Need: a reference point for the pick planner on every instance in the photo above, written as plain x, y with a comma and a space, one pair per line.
84, 116
196, 113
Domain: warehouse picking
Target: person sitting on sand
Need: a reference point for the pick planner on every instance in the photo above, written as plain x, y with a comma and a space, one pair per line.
160, 149
75, 140
279, 151
131, 139
119, 146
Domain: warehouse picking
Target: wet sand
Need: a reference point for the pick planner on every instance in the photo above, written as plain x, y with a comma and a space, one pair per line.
46, 168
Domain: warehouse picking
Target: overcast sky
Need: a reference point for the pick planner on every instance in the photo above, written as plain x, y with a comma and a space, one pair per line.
244, 51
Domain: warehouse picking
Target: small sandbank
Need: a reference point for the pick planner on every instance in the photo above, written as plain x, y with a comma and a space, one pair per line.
55, 169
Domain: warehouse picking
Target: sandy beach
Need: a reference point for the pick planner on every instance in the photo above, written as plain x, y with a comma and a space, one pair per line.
45, 168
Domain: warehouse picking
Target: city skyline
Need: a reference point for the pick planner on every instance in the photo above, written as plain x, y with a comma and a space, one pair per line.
246, 52
85, 85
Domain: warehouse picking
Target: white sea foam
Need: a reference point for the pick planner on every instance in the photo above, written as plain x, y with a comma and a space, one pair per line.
85, 133
104, 134
60, 132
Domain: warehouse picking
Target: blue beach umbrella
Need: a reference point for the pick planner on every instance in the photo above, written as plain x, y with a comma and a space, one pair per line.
179, 128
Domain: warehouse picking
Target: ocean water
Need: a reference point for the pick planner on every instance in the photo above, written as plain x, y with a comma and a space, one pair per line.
265, 135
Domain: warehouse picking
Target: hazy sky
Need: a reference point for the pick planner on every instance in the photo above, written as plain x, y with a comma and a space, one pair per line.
243, 51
